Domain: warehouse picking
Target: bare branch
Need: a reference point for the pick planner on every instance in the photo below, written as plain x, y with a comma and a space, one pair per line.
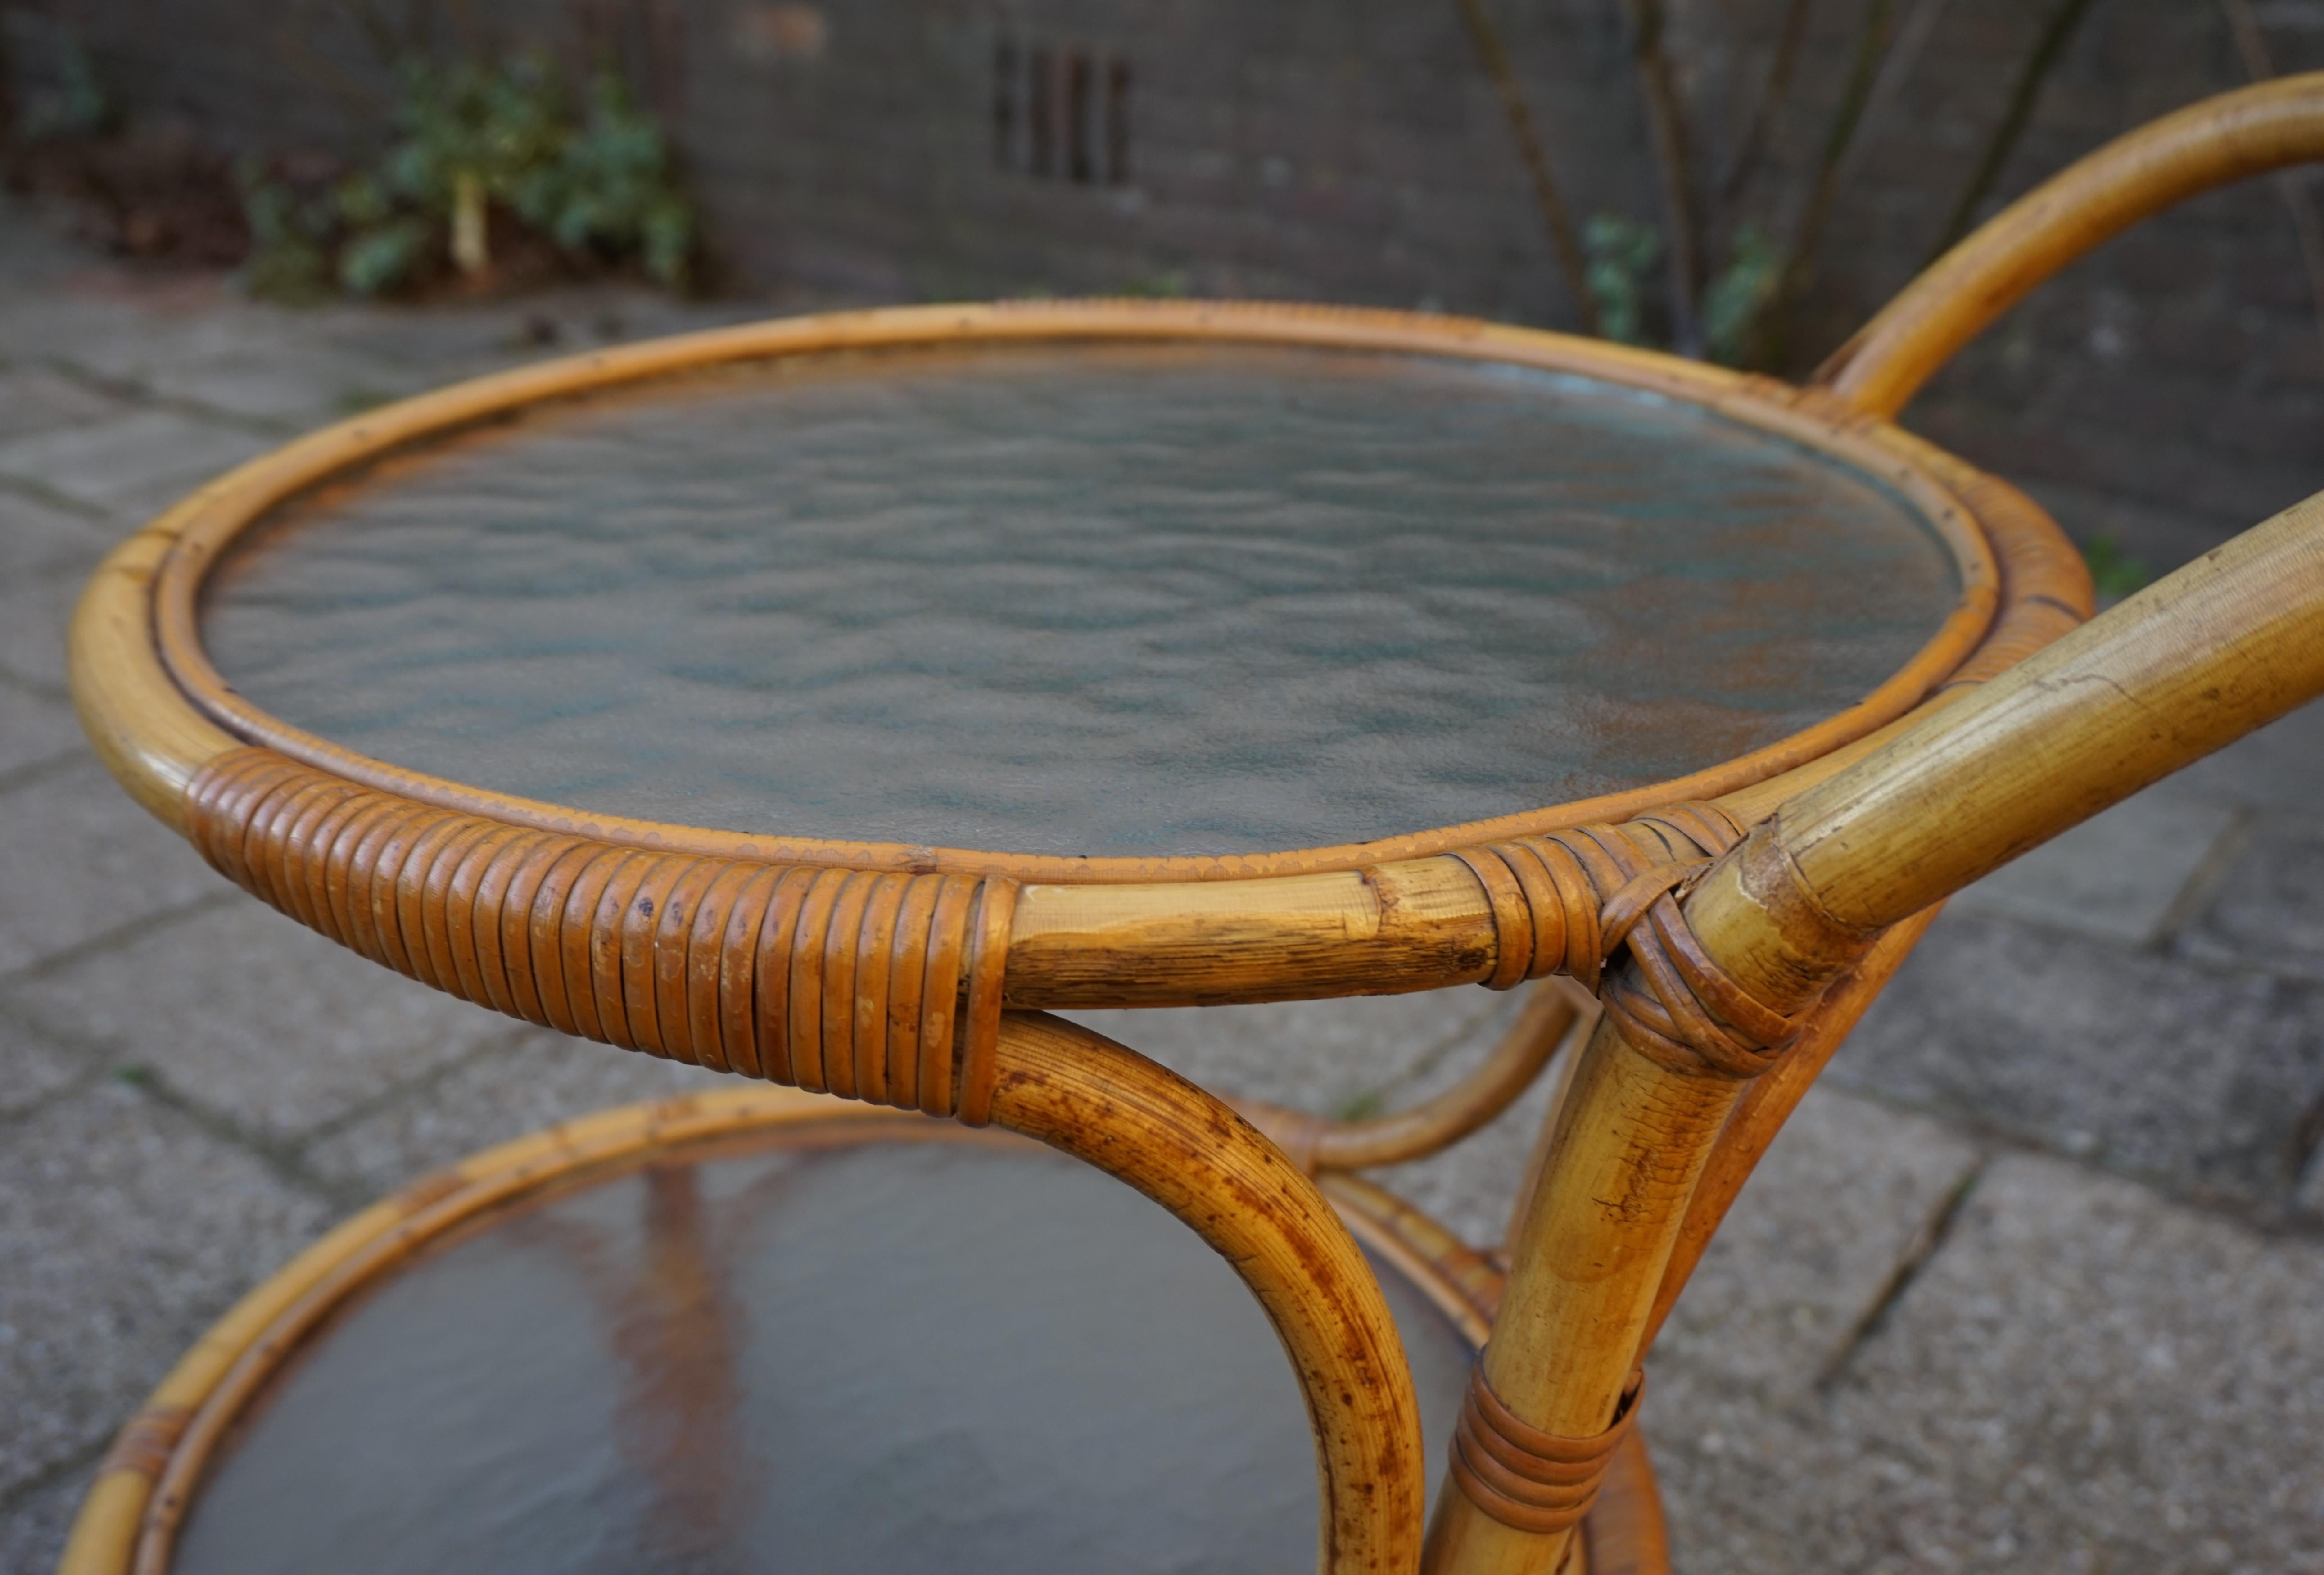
1666, 126
2297, 197
1911, 38
1561, 238
1871, 44
2052, 43
1773, 94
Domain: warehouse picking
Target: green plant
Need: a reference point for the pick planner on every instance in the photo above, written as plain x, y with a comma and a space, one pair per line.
1168, 284
2114, 573
471, 140
1736, 300
290, 238
1622, 252
76, 105
612, 187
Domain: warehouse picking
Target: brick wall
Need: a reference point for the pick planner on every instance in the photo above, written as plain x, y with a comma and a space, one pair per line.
2168, 390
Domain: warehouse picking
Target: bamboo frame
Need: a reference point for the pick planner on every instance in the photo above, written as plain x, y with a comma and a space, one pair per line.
1973, 736
2222, 647
1064, 1085
1803, 919
1378, 918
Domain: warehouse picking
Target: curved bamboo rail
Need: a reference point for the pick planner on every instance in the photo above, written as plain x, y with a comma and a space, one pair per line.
2219, 140
1317, 1144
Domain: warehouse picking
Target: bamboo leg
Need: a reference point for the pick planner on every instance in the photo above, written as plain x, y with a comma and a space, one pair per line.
1631, 1140
1769, 1103
1585, 1024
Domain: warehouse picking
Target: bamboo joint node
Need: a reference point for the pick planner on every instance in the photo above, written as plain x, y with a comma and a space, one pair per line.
1569, 901
883, 986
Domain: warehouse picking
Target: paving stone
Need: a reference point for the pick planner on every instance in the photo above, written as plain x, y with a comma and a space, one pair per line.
34, 1526
267, 371
1362, 1056
34, 1066
35, 399
2310, 1199
259, 1019
1472, 1188
37, 538
1333, 1058
2085, 1378
80, 859
501, 1093
1846, 1193
2196, 1078
2279, 767
2117, 876
34, 727
133, 466
35, 610
125, 1229
2269, 909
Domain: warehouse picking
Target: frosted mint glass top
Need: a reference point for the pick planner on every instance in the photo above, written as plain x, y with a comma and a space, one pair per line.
1083, 598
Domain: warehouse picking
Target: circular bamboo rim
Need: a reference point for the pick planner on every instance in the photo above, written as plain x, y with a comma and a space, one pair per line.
1070, 1089
159, 709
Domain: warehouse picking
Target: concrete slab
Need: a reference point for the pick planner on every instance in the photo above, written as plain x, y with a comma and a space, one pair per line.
130, 466
34, 1524
35, 610
2085, 1378
1847, 1197
246, 1013
37, 538
505, 1093
2269, 909
35, 399
33, 1066
2196, 1078
36, 727
125, 1229
2118, 876
1473, 1187
1336, 1057
81, 860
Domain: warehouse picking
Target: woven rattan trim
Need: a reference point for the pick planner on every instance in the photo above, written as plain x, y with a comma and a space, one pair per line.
145, 1440
1567, 902
1523, 1477
883, 987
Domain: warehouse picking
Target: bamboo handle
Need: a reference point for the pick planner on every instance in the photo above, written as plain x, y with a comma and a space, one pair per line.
2206, 144
2224, 646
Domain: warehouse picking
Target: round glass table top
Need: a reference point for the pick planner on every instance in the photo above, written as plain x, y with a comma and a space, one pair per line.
1083, 598
929, 1355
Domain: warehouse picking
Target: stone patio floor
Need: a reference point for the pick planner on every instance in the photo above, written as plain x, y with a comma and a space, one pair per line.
2034, 1282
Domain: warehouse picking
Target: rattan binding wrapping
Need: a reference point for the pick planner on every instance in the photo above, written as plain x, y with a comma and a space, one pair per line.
1567, 902
1523, 1477
883, 986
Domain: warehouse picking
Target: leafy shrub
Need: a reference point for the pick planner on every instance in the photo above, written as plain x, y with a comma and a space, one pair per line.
473, 142
1735, 305
2113, 572
1622, 252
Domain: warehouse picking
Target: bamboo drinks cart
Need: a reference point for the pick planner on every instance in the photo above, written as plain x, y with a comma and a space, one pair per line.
827, 700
